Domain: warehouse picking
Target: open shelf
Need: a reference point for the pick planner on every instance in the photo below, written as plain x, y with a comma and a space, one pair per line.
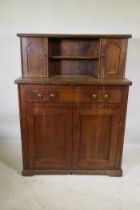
74, 57
68, 56
73, 67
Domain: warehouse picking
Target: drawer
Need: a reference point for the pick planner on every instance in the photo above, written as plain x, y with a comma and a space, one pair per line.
111, 95
100, 95
77, 94
41, 95
50, 94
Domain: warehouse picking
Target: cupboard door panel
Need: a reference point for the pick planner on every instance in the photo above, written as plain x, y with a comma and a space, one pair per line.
95, 137
113, 56
49, 137
34, 60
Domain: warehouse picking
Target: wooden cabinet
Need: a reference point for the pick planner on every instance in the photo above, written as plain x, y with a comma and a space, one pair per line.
101, 56
73, 99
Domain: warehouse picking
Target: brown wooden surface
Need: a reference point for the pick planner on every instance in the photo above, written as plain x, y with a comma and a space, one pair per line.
76, 94
96, 135
73, 57
47, 133
108, 172
76, 35
113, 56
49, 136
52, 140
73, 47
73, 80
73, 100
34, 60
68, 56
73, 67
100, 94
98, 56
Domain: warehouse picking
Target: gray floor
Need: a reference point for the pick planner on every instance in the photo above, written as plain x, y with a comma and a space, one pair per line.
69, 192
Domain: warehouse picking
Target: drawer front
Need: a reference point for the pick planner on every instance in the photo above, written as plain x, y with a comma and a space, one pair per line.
100, 95
51, 94
41, 95
77, 94
89, 95
111, 95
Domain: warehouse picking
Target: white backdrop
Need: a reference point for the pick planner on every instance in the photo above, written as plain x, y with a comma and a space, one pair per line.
65, 16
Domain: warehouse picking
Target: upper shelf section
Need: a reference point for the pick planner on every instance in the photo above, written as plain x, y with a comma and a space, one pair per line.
99, 56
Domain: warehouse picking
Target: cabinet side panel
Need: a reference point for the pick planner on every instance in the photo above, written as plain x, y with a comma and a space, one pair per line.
122, 127
22, 113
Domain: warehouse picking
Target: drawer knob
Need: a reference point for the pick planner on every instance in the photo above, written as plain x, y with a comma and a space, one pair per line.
52, 95
39, 95
106, 96
94, 96
102, 54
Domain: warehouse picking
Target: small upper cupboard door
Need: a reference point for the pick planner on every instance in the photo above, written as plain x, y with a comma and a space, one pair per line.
34, 56
112, 58
49, 137
95, 136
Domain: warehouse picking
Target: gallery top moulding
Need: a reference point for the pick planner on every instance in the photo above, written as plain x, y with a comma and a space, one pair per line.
76, 35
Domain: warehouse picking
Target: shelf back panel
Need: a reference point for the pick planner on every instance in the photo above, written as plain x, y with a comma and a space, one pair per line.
73, 67
74, 47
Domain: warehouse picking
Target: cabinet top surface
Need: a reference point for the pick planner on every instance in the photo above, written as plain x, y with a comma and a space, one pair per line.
73, 80
76, 35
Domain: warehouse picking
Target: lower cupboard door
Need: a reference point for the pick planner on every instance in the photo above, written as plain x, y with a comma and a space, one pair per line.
49, 137
95, 136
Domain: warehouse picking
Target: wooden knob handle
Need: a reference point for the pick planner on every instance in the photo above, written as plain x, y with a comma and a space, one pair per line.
103, 54
106, 96
39, 94
94, 96
52, 95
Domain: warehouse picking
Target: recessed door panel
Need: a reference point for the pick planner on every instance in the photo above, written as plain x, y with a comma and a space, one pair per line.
95, 139
113, 56
34, 57
49, 137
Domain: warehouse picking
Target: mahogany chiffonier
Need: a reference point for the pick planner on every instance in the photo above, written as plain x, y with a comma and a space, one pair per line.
73, 99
